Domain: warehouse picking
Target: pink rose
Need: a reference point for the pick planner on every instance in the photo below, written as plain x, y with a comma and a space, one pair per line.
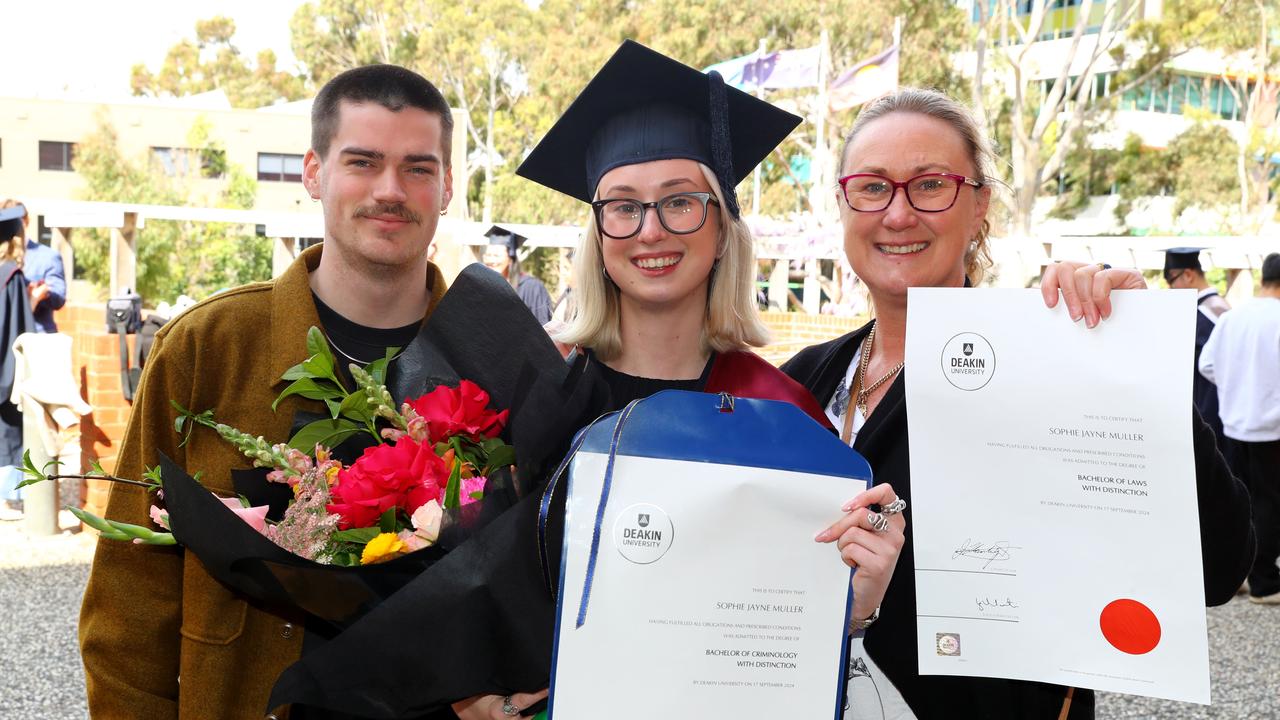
404, 475
458, 411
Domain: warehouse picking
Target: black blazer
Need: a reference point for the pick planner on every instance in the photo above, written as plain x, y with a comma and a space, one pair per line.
1226, 538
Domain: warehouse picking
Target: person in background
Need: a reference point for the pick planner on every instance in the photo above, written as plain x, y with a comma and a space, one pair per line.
1243, 358
46, 276
500, 255
15, 319
1182, 271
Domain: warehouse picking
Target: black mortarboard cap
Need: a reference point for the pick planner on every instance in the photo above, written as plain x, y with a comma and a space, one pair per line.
1182, 258
499, 235
11, 222
644, 106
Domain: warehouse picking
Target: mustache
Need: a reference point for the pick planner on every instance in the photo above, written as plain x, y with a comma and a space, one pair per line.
393, 209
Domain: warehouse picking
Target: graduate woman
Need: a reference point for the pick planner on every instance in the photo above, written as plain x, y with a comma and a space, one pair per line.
914, 192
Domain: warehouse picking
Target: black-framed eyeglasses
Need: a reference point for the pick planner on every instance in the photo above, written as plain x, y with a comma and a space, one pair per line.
680, 214
1172, 276
931, 192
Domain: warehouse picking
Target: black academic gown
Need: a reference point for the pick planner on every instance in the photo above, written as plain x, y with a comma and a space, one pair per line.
16, 318
1226, 537
1204, 393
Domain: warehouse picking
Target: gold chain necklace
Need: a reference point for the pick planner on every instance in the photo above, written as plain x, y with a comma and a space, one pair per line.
863, 390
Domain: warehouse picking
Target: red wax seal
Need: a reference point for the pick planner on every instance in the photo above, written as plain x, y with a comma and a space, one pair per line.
1130, 626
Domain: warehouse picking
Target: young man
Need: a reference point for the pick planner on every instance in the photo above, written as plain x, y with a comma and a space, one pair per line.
1243, 358
159, 637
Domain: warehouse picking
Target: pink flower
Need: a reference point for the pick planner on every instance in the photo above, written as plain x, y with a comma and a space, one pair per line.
458, 411
427, 518
255, 516
470, 486
159, 517
404, 475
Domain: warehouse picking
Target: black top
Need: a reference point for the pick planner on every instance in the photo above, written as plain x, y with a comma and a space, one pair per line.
1226, 539
624, 388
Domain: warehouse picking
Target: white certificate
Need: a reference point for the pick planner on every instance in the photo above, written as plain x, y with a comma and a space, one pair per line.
708, 596
1053, 491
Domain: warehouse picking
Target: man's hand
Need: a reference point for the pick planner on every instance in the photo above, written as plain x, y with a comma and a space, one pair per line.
37, 291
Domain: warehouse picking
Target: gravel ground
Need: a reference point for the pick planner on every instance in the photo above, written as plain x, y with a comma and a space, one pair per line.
42, 579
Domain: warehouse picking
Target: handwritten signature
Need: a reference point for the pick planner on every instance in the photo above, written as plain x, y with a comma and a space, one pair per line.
999, 551
985, 603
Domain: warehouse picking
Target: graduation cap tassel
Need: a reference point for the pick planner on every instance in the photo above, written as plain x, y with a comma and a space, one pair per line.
721, 144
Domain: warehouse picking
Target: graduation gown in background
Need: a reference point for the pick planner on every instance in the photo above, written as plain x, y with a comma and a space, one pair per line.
17, 319
1204, 394
1226, 538
481, 620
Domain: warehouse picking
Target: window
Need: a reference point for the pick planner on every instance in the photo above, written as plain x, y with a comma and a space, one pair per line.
212, 162
276, 166
57, 155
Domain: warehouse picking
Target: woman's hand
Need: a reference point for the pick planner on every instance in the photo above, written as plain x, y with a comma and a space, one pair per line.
874, 553
490, 707
1086, 288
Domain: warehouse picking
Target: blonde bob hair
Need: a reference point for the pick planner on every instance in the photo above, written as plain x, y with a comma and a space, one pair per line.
14, 248
731, 321
931, 103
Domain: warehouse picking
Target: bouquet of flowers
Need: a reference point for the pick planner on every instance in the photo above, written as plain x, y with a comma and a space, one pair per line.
433, 454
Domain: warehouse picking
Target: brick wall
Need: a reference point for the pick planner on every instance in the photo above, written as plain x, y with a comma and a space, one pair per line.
792, 332
95, 361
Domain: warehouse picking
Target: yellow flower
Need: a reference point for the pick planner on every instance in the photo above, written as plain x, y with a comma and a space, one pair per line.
382, 548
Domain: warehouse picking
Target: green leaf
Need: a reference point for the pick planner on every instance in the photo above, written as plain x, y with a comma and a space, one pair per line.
295, 372
179, 423
318, 366
335, 407
359, 536
95, 468
316, 344
153, 474
356, 407
378, 368
307, 388
387, 522
501, 457
327, 432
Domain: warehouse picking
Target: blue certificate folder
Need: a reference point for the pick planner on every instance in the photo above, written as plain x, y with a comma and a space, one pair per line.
690, 584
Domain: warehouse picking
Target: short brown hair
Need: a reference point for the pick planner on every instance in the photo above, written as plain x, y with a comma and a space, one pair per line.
390, 86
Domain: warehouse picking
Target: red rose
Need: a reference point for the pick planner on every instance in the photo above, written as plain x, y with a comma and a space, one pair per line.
407, 475
459, 411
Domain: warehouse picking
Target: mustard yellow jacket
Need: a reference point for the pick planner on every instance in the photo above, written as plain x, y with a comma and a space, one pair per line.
159, 637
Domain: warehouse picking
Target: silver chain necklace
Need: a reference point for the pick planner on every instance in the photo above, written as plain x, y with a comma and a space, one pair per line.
356, 360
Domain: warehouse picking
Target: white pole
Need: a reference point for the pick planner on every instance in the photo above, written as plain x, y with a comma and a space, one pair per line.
755, 177
897, 34
819, 190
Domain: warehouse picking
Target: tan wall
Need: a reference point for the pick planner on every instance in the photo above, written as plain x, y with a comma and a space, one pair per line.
142, 125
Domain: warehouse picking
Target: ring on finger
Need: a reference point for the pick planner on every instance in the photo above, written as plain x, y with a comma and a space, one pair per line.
878, 522
895, 507
508, 708
1103, 266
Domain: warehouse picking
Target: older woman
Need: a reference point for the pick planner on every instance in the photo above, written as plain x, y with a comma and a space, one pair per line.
914, 197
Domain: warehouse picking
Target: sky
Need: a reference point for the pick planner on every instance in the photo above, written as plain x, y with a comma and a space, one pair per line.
86, 48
